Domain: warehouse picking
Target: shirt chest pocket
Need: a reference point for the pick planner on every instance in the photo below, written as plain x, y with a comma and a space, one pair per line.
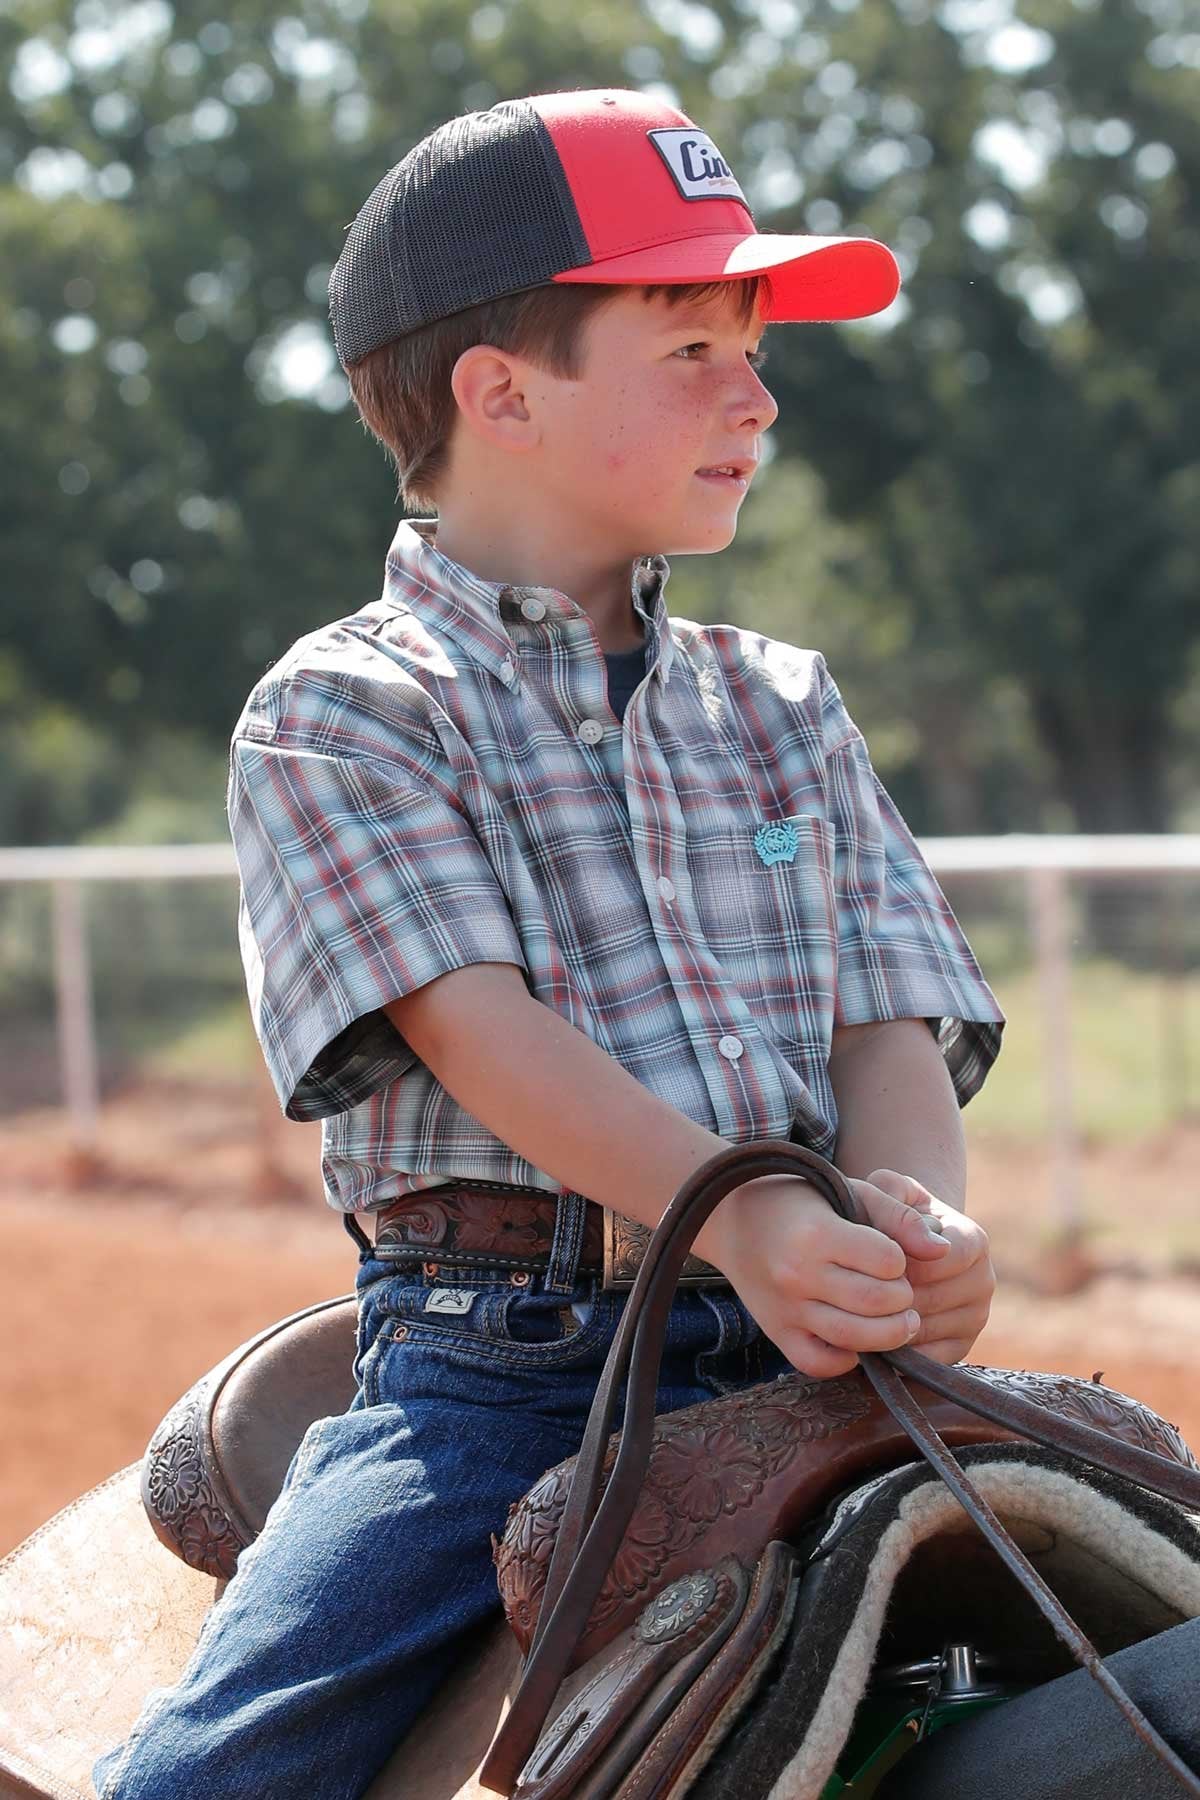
767, 902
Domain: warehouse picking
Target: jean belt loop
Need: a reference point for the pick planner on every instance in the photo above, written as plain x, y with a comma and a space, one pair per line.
366, 1247
563, 1268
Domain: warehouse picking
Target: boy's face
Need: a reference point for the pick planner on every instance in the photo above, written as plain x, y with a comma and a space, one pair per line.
630, 449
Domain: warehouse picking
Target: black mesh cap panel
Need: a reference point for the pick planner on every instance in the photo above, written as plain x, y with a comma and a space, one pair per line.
479, 209
364, 292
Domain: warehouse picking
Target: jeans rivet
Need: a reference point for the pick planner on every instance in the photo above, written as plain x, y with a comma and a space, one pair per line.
520, 1278
400, 1333
431, 1268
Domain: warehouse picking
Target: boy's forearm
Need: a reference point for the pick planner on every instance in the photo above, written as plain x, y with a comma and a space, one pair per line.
897, 1108
550, 1093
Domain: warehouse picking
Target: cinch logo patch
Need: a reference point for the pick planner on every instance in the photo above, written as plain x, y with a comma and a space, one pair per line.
700, 171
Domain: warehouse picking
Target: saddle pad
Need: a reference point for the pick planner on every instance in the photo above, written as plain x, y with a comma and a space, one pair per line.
896, 1573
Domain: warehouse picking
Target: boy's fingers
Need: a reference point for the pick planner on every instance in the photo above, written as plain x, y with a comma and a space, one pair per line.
970, 1287
958, 1265
813, 1356
969, 1262
864, 1249
960, 1324
853, 1292
915, 1231
848, 1331
902, 1187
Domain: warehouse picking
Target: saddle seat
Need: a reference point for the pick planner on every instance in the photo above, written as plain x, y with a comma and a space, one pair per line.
94, 1614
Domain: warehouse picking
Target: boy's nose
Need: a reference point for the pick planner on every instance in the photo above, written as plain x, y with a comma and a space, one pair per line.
755, 405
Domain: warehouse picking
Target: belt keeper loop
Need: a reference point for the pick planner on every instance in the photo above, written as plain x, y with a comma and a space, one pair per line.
365, 1246
563, 1267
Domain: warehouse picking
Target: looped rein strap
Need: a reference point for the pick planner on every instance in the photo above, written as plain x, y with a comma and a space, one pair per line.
591, 1529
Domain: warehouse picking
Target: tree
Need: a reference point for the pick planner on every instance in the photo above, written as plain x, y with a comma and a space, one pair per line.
999, 481
1022, 450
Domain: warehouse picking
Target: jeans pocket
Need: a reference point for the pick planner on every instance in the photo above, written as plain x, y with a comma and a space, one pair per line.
535, 1320
733, 1358
526, 1329
477, 1324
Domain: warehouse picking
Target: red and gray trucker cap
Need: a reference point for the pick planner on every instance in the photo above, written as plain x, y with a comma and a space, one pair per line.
607, 185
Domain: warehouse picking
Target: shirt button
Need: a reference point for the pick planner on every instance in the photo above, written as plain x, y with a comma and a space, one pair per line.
533, 609
508, 670
589, 731
666, 887
731, 1047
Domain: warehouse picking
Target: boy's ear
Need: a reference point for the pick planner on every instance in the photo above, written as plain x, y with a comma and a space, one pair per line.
489, 388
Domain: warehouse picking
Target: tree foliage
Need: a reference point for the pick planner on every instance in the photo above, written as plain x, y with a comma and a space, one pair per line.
985, 507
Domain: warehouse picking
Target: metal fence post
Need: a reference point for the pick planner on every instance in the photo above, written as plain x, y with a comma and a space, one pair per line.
1051, 936
76, 1022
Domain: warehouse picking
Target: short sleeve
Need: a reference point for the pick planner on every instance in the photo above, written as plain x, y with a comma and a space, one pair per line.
360, 884
901, 951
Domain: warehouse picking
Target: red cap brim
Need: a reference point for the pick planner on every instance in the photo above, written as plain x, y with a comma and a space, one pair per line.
815, 278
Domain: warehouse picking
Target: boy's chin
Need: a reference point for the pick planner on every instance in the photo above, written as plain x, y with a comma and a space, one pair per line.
703, 540
687, 536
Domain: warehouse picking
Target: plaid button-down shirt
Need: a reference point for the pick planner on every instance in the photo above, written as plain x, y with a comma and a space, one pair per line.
705, 889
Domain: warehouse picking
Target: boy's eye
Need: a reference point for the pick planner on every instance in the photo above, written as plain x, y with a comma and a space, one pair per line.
756, 358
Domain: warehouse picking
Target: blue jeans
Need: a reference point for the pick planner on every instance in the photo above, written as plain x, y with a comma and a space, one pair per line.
350, 1609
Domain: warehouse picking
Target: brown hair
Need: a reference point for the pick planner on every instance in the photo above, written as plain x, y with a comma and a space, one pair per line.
402, 390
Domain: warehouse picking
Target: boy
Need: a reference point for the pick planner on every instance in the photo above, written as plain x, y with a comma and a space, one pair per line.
547, 895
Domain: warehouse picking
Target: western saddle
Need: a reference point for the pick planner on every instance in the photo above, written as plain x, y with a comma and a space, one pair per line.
664, 1578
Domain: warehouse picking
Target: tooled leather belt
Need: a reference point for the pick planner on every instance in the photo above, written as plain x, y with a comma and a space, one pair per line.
478, 1224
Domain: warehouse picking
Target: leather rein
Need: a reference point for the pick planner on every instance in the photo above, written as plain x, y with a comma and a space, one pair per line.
591, 1528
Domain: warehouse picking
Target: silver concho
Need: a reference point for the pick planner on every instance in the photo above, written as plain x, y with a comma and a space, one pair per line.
672, 1612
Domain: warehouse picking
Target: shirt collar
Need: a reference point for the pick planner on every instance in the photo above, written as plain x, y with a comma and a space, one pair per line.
475, 613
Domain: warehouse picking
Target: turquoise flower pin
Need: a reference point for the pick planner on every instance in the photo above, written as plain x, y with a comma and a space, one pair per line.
776, 844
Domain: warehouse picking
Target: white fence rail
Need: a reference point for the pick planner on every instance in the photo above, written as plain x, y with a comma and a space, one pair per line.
1046, 863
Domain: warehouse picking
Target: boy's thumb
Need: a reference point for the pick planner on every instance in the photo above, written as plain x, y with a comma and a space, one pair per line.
899, 1206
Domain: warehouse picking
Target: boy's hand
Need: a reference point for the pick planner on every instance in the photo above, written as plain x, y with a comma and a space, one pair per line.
821, 1288
954, 1294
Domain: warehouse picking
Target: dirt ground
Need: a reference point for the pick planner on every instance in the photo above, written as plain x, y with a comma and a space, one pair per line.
199, 1219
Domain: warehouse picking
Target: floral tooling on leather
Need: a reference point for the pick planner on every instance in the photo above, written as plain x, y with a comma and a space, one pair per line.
714, 1458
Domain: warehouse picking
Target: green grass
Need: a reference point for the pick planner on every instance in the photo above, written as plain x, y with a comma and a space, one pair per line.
1121, 1027
1127, 1076
220, 1042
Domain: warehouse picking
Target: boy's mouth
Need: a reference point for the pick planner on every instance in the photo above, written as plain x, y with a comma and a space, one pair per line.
734, 474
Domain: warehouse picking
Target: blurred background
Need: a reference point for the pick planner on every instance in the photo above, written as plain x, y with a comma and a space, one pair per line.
983, 506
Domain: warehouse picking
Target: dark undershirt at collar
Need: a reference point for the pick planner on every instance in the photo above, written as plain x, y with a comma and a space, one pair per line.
626, 669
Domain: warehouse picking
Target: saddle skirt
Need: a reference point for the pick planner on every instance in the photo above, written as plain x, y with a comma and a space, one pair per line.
734, 1474
777, 1529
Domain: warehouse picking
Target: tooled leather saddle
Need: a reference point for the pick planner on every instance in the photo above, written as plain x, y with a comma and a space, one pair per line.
662, 1581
